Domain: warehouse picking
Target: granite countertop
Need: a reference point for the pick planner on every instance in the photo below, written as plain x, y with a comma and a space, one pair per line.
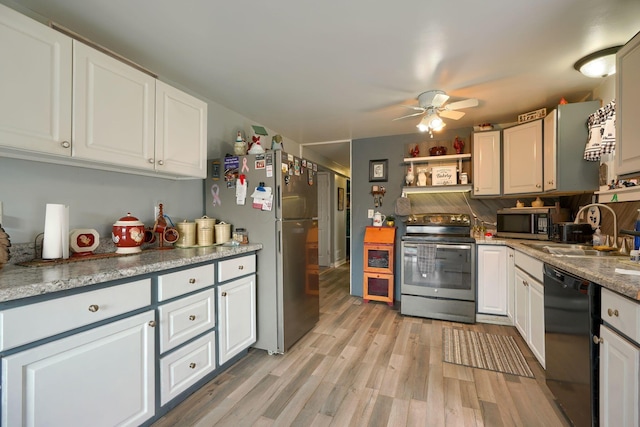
600, 270
18, 282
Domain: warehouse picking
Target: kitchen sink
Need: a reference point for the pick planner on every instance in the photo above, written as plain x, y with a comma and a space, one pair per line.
570, 250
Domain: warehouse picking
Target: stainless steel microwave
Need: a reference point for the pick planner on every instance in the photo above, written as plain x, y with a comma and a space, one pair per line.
529, 223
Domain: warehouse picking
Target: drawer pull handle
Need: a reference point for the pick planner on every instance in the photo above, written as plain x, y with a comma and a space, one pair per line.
241, 267
597, 340
224, 294
192, 365
192, 317
94, 307
152, 323
192, 281
612, 313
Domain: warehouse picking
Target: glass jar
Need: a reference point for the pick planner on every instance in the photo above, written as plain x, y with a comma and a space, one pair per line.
240, 235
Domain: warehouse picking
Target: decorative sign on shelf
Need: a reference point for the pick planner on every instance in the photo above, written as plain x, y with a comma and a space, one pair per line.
444, 175
532, 115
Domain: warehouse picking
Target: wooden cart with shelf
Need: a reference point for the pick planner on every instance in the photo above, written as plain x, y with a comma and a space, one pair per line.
379, 245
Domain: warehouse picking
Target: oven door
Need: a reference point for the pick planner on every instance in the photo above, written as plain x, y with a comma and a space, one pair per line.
452, 278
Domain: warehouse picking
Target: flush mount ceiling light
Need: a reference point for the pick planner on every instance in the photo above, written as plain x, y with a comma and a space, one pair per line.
599, 64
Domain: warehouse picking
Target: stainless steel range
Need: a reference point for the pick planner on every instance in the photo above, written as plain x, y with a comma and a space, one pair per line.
438, 268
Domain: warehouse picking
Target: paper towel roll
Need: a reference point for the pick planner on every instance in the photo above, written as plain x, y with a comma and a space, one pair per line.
56, 232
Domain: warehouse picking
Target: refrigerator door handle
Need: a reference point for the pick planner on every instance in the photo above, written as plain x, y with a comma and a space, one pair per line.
278, 199
279, 242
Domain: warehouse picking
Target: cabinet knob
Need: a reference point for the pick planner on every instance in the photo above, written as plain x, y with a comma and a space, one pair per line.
241, 267
152, 323
192, 365
224, 294
150, 160
538, 186
192, 281
597, 340
477, 189
612, 313
161, 162
65, 144
524, 282
94, 307
192, 317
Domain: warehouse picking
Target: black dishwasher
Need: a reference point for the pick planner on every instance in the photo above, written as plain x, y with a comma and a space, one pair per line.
571, 319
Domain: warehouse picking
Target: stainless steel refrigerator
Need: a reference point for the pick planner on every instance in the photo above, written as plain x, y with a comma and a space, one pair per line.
287, 278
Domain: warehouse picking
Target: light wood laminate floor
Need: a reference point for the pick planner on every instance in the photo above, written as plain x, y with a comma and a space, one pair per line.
367, 365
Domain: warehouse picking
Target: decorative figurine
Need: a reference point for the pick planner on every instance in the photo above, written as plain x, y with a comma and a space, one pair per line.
410, 176
240, 147
458, 144
255, 147
414, 151
276, 143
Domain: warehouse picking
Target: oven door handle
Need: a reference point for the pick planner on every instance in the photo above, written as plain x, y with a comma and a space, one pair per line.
440, 246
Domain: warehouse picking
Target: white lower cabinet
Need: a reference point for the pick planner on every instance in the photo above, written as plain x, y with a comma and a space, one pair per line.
184, 367
492, 279
511, 283
619, 361
237, 316
529, 303
100, 377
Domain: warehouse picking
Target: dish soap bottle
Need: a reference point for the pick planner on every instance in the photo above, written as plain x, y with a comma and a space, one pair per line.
636, 239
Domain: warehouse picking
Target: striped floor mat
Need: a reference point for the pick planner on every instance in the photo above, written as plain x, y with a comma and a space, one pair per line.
498, 353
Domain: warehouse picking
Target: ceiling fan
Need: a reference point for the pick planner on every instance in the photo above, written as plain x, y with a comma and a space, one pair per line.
432, 105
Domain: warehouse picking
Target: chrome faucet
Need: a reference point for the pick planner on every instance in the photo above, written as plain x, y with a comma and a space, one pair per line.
615, 220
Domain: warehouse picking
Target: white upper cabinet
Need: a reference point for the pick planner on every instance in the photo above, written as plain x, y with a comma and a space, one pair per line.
522, 158
565, 137
181, 132
114, 109
628, 108
486, 163
35, 88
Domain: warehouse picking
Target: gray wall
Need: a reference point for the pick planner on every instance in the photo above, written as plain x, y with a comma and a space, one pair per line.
395, 149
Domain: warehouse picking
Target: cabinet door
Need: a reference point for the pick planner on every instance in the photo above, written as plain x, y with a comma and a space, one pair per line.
511, 283
181, 132
521, 309
536, 320
101, 377
35, 105
114, 110
486, 163
522, 158
627, 95
619, 380
550, 143
237, 321
492, 279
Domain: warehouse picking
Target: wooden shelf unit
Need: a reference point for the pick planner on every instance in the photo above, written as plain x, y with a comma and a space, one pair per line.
379, 246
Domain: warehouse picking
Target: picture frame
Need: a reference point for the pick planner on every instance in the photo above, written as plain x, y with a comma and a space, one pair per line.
340, 198
378, 170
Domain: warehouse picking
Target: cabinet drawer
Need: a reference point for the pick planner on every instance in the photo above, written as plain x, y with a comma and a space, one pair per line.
184, 367
22, 325
171, 285
236, 267
185, 318
531, 266
621, 313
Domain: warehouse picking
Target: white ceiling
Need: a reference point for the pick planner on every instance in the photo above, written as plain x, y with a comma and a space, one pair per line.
341, 69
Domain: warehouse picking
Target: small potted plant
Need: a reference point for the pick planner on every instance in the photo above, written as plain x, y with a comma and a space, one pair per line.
391, 220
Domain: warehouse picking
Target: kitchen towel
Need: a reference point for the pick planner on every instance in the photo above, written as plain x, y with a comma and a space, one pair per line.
403, 205
426, 259
56, 232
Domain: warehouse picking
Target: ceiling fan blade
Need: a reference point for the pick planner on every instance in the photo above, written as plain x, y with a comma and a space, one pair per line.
465, 103
455, 115
410, 115
413, 107
439, 99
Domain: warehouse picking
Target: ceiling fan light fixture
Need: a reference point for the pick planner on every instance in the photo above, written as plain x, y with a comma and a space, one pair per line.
435, 122
423, 126
598, 64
